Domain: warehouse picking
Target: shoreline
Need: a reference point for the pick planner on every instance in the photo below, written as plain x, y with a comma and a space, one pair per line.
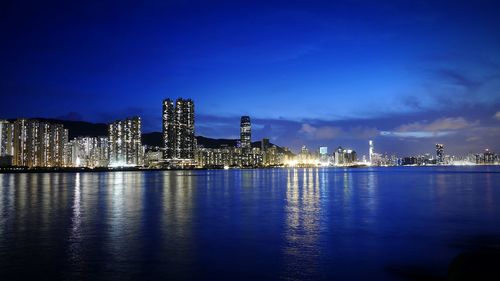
20, 170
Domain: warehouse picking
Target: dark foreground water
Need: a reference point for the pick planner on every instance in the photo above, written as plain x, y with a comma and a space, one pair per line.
289, 224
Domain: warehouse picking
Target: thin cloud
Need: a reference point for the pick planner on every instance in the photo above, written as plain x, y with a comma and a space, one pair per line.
437, 128
331, 132
497, 116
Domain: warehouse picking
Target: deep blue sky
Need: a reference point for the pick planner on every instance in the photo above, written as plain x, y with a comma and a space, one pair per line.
407, 74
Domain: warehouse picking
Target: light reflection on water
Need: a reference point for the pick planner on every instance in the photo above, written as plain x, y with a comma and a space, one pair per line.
291, 224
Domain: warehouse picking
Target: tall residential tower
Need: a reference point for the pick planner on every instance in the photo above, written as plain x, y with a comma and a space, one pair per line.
125, 146
178, 129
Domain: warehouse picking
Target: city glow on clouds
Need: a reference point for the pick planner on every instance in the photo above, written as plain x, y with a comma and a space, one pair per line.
497, 115
437, 128
441, 124
331, 132
415, 134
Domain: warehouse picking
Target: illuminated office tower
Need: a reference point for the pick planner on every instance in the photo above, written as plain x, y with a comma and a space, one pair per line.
178, 129
439, 154
125, 146
245, 134
245, 141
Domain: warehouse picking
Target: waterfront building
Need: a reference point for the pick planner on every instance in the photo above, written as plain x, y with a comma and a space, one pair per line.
218, 157
178, 130
6, 138
273, 157
439, 154
89, 152
245, 134
125, 146
305, 158
246, 141
38, 144
371, 151
487, 158
344, 157
153, 157
6, 143
233, 157
323, 156
168, 117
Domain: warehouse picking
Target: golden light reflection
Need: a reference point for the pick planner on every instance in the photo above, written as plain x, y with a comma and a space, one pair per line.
303, 219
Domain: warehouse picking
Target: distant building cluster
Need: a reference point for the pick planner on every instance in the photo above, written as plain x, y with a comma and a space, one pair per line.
244, 154
32, 143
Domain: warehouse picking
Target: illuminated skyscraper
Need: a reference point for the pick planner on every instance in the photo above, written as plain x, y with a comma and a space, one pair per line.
168, 129
323, 155
178, 129
245, 134
125, 146
371, 151
439, 154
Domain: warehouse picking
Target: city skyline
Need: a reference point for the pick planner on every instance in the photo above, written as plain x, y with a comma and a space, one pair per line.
407, 75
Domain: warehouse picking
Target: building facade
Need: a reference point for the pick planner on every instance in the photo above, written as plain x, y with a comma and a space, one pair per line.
6, 138
345, 157
125, 145
38, 144
178, 129
439, 154
90, 152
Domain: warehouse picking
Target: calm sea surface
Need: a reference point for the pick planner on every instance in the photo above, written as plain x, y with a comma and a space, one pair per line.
288, 224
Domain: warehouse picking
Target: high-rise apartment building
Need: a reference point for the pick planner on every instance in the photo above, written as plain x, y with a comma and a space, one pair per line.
178, 129
89, 152
168, 117
125, 146
38, 144
6, 138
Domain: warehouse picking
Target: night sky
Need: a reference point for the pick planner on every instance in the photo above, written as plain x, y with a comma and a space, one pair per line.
407, 74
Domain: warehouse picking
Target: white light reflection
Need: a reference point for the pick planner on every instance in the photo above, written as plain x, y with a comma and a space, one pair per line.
75, 238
